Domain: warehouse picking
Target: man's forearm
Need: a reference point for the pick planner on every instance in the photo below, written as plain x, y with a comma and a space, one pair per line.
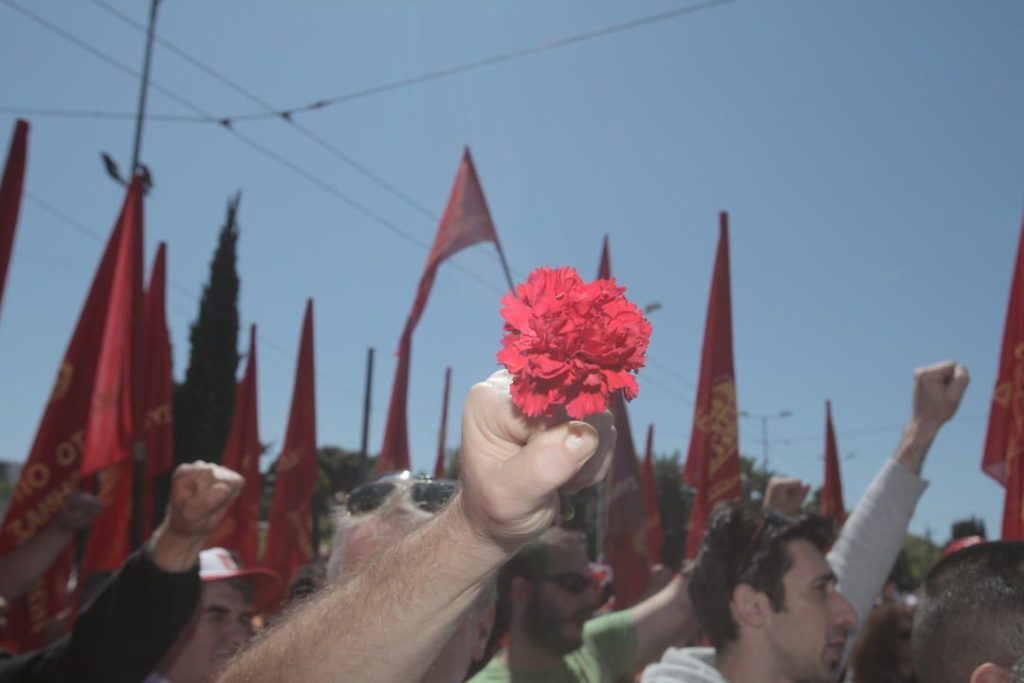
386, 623
917, 438
870, 541
30, 560
662, 620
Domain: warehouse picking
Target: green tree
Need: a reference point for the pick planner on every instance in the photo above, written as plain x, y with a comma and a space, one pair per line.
203, 403
675, 500
918, 555
337, 472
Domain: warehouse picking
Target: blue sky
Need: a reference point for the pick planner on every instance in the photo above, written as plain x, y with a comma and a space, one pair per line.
870, 154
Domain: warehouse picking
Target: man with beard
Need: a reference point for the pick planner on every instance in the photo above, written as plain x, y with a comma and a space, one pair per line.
548, 592
969, 627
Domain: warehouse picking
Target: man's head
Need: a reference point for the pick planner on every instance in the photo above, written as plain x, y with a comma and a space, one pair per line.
221, 621
969, 626
761, 587
376, 515
547, 592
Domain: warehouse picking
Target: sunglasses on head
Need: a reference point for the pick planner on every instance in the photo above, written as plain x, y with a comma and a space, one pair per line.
770, 524
570, 582
429, 495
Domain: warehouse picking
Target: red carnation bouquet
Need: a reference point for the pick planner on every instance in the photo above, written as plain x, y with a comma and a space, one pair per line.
571, 343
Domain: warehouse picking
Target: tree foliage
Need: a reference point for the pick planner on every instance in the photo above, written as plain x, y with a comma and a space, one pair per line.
204, 401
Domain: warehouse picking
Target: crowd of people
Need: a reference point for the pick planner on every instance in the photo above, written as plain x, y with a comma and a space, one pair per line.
433, 581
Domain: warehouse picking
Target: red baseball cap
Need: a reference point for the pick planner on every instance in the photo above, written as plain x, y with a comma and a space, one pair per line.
216, 564
960, 543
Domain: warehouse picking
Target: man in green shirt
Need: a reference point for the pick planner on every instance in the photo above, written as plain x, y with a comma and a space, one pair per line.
548, 599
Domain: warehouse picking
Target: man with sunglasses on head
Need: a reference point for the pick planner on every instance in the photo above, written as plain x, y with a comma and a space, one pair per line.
774, 607
388, 621
548, 598
378, 514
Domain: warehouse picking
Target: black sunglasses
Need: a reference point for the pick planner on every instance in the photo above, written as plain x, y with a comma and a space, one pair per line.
570, 582
429, 495
770, 525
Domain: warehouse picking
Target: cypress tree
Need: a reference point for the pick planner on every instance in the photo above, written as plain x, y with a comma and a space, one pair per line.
203, 403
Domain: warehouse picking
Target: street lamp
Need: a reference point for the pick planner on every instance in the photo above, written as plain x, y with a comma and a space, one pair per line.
764, 417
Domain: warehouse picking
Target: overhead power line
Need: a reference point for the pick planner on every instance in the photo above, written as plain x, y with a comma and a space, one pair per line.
206, 117
181, 289
289, 112
262, 149
480, 63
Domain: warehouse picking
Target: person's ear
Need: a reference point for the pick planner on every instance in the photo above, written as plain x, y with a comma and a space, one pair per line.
991, 673
482, 631
520, 590
750, 607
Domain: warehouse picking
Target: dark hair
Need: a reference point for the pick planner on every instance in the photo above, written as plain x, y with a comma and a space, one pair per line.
972, 612
875, 655
745, 545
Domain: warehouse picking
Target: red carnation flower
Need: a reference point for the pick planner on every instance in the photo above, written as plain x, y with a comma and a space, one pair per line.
571, 343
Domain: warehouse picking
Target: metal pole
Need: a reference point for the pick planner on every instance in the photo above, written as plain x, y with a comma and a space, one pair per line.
504, 266
363, 453
138, 447
141, 113
439, 464
764, 439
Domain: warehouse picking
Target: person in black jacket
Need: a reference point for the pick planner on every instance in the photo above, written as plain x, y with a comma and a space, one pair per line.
120, 637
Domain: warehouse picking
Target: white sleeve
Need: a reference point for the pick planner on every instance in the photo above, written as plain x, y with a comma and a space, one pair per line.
870, 541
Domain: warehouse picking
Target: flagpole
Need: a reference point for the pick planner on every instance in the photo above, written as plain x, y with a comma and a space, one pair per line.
508, 273
439, 465
140, 115
138, 446
363, 455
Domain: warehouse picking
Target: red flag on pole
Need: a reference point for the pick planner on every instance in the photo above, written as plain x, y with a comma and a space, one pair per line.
10, 196
624, 540
239, 531
652, 525
158, 390
1004, 442
115, 419
52, 469
289, 539
832, 505
466, 221
442, 435
713, 460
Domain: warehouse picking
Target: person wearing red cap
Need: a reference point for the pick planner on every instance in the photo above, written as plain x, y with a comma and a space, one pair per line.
220, 622
133, 620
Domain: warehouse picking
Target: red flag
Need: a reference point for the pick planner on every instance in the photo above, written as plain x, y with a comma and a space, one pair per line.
439, 463
652, 525
832, 505
713, 460
239, 531
115, 419
10, 196
625, 539
1005, 439
466, 221
289, 539
52, 469
158, 389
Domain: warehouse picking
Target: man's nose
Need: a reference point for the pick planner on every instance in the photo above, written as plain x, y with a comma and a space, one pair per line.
843, 613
